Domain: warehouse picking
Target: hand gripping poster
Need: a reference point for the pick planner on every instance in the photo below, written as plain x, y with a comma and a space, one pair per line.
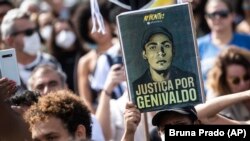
161, 57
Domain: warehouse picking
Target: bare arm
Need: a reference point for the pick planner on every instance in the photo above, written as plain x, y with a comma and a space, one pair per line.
208, 111
132, 117
220, 120
9, 117
115, 76
83, 72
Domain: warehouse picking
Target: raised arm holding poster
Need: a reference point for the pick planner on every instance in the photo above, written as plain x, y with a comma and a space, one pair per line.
161, 58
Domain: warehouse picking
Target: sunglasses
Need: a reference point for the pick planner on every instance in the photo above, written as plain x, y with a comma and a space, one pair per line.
237, 80
221, 14
27, 32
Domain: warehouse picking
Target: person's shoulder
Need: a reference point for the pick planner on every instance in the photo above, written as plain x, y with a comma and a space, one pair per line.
47, 58
178, 72
144, 78
87, 58
242, 37
103, 58
113, 50
141, 79
45, 55
242, 40
242, 26
204, 39
203, 43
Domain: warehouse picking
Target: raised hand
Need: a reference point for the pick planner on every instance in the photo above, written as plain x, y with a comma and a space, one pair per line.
7, 88
116, 75
132, 117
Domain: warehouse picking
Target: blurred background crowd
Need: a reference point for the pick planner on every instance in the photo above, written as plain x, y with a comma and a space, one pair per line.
56, 49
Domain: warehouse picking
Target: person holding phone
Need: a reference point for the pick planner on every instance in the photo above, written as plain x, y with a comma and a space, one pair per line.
104, 63
8, 65
9, 117
20, 33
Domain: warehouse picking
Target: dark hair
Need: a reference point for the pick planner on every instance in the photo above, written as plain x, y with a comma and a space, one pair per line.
83, 14
199, 10
188, 111
114, 11
229, 6
64, 105
26, 98
6, 2
58, 52
155, 30
226, 2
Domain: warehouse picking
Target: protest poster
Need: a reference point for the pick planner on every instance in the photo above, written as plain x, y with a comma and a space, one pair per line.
161, 57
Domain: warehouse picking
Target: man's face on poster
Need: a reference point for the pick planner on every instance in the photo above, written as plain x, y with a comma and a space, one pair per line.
159, 52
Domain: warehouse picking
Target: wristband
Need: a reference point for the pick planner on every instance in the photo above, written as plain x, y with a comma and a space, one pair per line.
107, 93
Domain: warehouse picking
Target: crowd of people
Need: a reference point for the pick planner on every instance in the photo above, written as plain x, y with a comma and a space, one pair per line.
73, 81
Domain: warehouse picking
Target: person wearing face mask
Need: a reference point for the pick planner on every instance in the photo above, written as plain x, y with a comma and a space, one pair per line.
20, 33
46, 32
45, 26
67, 49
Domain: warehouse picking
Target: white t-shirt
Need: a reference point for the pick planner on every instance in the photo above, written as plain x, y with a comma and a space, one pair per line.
97, 134
41, 58
117, 108
103, 68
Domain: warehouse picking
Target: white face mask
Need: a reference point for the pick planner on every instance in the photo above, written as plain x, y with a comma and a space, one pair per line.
70, 3
46, 32
65, 39
32, 44
162, 137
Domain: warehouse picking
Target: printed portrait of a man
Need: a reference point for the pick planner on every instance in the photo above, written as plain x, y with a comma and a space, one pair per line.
158, 50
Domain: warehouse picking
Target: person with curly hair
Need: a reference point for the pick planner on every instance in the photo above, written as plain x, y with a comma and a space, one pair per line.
230, 74
219, 15
60, 115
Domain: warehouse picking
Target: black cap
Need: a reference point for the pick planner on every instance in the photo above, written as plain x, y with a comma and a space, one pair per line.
190, 111
155, 29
